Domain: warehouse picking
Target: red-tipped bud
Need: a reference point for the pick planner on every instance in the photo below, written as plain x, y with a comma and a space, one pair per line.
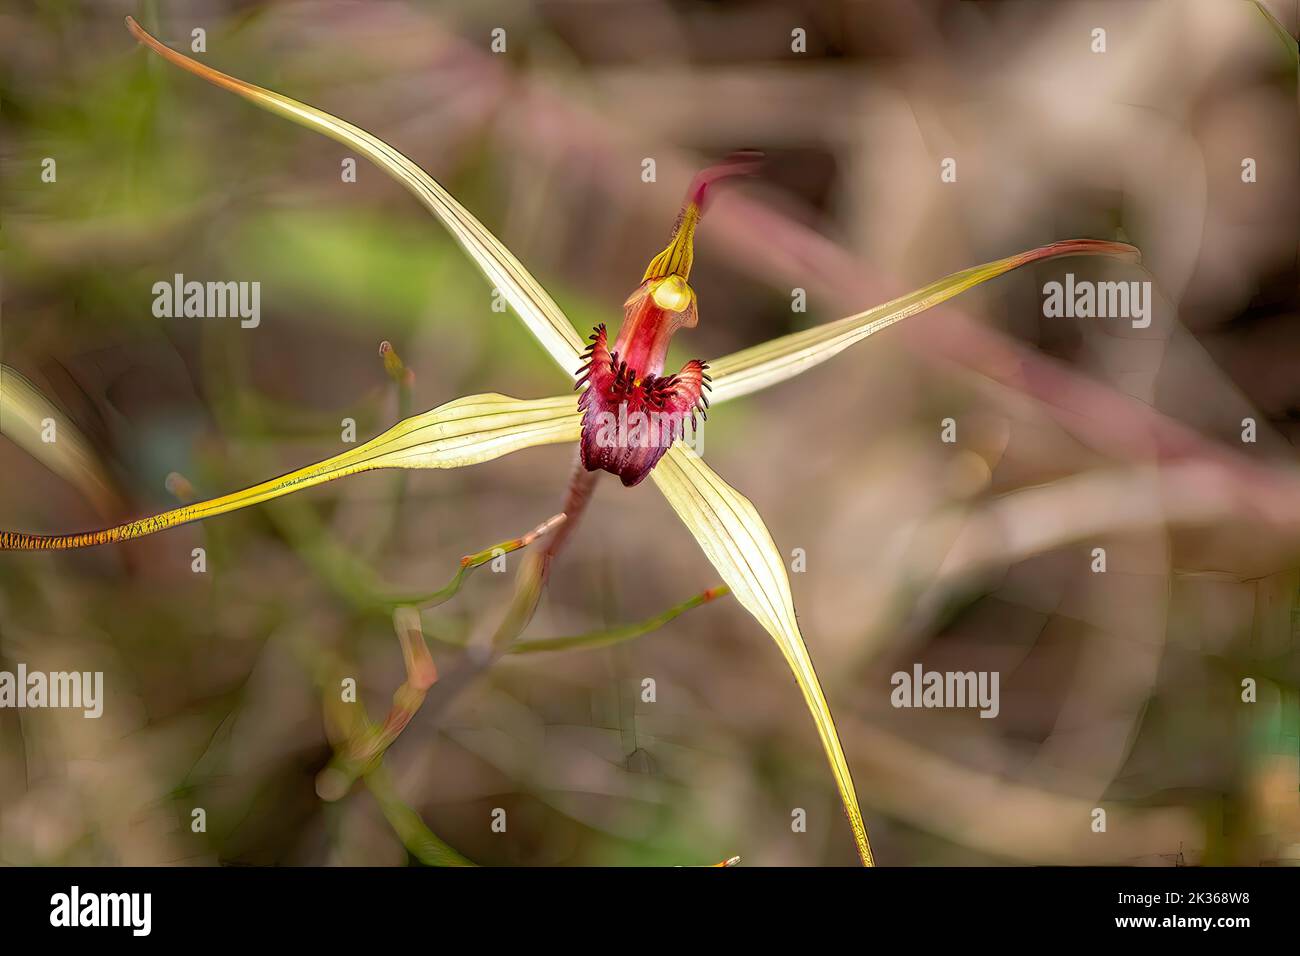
394, 365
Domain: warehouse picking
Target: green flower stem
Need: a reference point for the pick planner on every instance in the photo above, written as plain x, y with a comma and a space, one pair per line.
617, 635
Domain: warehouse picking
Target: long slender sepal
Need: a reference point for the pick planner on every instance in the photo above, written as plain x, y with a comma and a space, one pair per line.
734, 538
464, 432
524, 293
755, 368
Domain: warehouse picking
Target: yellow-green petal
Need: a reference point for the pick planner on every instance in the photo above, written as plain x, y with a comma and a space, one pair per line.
463, 432
735, 539
774, 361
524, 293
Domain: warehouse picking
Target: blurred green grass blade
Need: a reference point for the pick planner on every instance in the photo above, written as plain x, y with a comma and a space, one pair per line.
616, 635
1291, 46
23, 412
463, 432
524, 293
733, 536
775, 361
421, 842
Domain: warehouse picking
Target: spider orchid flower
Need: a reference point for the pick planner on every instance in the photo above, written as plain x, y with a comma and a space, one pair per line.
478, 428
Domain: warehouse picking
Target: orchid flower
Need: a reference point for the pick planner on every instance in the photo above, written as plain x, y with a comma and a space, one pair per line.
616, 381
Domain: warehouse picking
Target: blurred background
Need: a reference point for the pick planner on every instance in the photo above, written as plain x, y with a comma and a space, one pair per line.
1119, 690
